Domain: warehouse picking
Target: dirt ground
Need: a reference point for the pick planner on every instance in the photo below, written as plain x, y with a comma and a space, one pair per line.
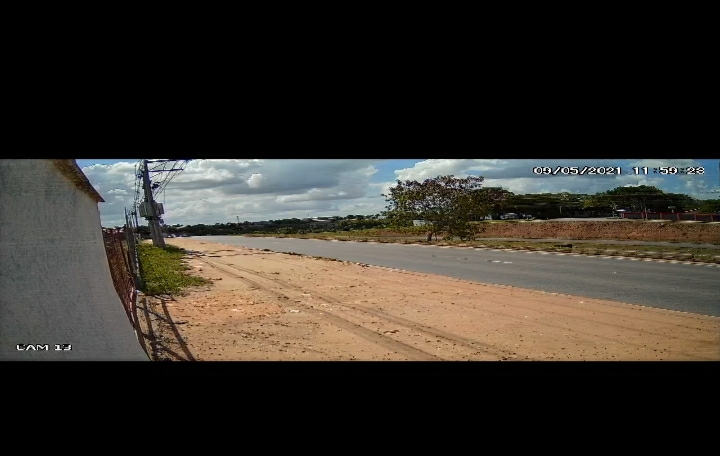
271, 306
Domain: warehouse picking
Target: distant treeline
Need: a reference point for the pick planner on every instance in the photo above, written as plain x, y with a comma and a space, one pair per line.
540, 206
284, 226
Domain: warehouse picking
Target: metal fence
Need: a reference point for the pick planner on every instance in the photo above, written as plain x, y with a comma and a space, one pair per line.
120, 246
124, 281
132, 237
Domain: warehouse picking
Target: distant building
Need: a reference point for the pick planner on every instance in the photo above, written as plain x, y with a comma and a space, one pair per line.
315, 223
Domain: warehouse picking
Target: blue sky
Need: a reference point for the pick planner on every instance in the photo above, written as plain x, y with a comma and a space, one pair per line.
386, 168
95, 161
220, 191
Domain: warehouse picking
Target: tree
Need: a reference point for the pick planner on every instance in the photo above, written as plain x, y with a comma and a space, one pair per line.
546, 205
680, 202
710, 206
600, 202
635, 198
569, 201
641, 198
444, 203
493, 201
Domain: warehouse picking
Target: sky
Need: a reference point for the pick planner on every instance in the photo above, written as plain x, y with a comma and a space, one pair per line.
223, 190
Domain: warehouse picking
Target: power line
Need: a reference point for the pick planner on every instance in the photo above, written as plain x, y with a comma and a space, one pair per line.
166, 170
176, 168
170, 167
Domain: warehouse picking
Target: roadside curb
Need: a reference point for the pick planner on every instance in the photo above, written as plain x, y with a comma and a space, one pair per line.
544, 252
541, 252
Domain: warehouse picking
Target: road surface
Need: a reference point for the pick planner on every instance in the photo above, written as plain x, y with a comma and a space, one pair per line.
690, 245
680, 287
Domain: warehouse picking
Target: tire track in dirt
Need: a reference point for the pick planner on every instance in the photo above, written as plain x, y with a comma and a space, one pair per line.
563, 315
410, 352
598, 336
493, 349
453, 338
464, 341
433, 281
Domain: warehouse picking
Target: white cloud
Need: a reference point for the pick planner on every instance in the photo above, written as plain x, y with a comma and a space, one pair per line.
255, 180
211, 191
427, 169
518, 176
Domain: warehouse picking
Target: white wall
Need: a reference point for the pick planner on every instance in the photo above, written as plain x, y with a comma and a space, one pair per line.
55, 283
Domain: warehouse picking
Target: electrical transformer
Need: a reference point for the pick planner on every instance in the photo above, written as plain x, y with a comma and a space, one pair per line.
145, 209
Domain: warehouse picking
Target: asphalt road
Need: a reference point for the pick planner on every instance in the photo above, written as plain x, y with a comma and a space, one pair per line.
691, 245
681, 287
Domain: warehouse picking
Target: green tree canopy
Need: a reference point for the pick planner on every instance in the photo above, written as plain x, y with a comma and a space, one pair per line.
634, 198
710, 206
443, 202
641, 198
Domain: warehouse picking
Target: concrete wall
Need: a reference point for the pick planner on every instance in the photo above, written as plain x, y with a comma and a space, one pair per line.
55, 283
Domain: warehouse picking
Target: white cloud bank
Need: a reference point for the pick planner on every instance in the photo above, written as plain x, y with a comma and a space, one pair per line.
211, 191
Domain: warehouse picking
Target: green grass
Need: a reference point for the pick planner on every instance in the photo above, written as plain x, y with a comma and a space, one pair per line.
163, 272
698, 254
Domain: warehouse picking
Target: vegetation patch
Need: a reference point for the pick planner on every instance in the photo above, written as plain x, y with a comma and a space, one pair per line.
163, 271
699, 254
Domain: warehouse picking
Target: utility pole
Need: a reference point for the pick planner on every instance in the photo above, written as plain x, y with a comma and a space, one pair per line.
153, 219
238, 217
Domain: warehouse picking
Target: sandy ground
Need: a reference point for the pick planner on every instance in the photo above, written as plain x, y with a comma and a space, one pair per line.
270, 306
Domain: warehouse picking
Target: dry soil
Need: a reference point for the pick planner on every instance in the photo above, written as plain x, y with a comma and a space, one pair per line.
271, 306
